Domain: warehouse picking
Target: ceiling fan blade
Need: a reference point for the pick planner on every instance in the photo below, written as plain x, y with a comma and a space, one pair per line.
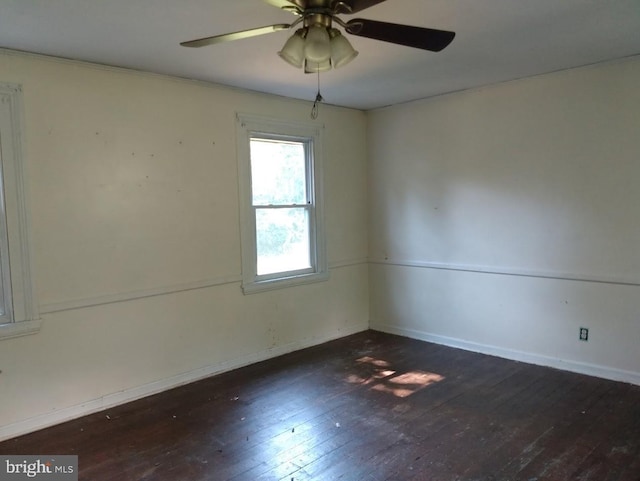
417, 37
353, 6
227, 37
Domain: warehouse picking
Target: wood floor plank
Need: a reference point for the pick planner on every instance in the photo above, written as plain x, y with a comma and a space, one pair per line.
369, 407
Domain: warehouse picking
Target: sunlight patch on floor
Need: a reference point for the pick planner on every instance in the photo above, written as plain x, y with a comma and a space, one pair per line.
377, 373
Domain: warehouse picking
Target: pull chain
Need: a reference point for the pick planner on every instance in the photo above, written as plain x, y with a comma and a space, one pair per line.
314, 110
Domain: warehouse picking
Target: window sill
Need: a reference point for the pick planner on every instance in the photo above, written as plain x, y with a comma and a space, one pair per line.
18, 329
282, 283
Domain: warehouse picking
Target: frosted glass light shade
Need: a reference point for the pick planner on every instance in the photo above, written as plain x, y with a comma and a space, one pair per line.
341, 50
317, 44
293, 50
313, 67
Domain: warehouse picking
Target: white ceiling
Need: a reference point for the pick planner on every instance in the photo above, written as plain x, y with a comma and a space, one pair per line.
496, 40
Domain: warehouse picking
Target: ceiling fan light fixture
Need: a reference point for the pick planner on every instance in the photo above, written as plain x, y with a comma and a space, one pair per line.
312, 67
317, 44
293, 50
341, 50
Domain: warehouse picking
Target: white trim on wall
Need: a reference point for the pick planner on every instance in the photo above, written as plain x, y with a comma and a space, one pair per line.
21, 308
348, 263
132, 295
114, 399
512, 271
514, 355
164, 290
311, 135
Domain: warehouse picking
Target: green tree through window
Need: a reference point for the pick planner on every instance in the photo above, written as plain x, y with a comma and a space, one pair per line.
281, 202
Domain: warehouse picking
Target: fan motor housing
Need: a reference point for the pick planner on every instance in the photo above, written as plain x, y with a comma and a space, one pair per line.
318, 18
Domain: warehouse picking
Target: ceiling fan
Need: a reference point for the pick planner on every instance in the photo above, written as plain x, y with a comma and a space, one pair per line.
317, 46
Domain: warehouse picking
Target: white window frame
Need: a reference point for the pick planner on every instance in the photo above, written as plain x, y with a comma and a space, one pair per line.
311, 135
20, 314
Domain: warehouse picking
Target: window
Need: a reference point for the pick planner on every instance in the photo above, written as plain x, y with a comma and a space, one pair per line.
17, 311
280, 201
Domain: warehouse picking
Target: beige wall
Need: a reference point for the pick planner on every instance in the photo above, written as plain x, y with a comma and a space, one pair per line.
135, 228
501, 220
505, 218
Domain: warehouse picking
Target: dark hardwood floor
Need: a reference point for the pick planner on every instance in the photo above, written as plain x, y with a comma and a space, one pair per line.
370, 407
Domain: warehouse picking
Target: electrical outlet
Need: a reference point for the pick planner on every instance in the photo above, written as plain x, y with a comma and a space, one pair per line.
584, 334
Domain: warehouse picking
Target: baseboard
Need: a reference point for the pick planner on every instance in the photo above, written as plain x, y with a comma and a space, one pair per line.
111, 400
514, 355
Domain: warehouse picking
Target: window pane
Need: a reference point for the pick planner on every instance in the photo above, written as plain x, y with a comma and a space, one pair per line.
282, 238
278, 172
